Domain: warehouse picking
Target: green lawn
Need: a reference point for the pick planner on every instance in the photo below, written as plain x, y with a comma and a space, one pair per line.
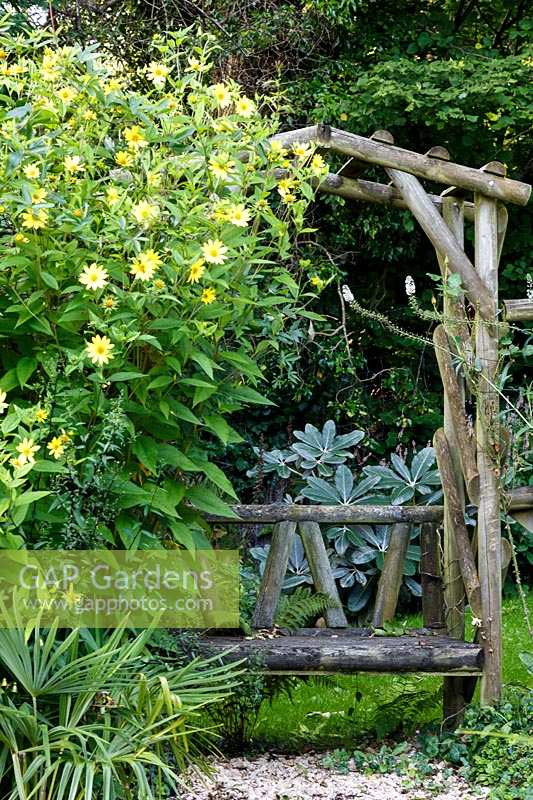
333, 711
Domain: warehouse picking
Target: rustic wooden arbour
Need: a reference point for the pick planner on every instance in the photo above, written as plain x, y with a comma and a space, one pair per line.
453, 573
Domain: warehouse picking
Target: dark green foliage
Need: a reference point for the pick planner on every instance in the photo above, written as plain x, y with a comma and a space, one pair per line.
302, 608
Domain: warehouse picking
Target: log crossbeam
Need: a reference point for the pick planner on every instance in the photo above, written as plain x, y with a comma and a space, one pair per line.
423, 166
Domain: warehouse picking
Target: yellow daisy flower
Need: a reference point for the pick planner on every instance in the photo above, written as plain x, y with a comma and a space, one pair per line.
144, 212
41, 415
35, 219
73, 164
31, 171
135, 137
145, 265
221, 166
89, 115
112, 195
195, 65
317, 282
208, 296
245, 107
222, 94
238, 215
301, 150
99, 350
27, 449
196, 271
21, 239
17, 462
94, 277
109, 303
38, 196
56, 447
123, 158
214, 251
157, 73
66, 95
318, 165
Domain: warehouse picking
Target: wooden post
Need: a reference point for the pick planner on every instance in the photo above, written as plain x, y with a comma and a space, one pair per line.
453, 699
488, 443
464, 457
431, 577
320, 567
274, 575
390, 579
465, 556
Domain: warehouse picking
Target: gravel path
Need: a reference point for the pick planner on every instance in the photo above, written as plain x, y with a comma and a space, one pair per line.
278, 777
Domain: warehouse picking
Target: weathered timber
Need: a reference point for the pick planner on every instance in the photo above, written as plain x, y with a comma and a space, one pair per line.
442, 239
458, 339
518, 310
320, 569
390, 579
390, 156
304, 654
454, 701
348, 515
516, 500
507, 554
488, 439
456, 322
456, 427
466, 560
503, 219
431, 577
274, 575
519, 499
372, 192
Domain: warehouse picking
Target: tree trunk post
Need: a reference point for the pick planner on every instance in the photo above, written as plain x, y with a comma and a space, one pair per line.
274, 575
390, 579
488, 445
320, 567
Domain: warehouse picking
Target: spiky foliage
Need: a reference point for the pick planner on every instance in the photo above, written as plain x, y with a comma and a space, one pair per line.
300, 608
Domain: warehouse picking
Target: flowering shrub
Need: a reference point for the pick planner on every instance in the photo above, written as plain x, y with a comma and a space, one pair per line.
145, 271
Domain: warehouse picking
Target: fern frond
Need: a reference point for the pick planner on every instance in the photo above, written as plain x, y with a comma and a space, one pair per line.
298, 609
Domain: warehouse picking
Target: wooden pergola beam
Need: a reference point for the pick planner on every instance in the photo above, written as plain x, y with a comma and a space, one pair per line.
392, 157
373, 192
443, 239
518, 310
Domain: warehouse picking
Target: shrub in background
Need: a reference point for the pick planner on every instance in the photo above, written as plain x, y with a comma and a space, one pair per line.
146, 269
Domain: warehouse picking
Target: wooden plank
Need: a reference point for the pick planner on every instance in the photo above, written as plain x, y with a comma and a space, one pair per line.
320, 568
518, 310
431, 577
455, 425
348, 515
274, 575
390, 156
465, 555
456, 334
519, 499
372, 192
488, 439
390, 579
442, 239
307, 655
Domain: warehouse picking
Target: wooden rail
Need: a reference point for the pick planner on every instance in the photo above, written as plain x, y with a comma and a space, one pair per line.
518, 310
390, 156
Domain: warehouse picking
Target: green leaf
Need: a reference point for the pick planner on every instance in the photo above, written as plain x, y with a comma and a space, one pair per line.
207, 501
49, 466
119, 377
30, 497
25, 368
175, 458
205, 363
225, 432
160, 382
248, 395
215, 474
182, 412
49, 280
147, 451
